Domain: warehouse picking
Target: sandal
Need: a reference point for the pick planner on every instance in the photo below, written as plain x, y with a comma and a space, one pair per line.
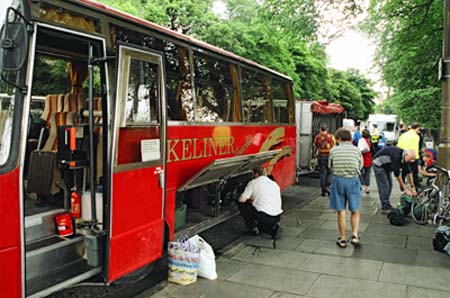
341, 243
355, 241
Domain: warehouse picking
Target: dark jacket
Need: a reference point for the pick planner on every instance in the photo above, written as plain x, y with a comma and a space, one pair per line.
391, 159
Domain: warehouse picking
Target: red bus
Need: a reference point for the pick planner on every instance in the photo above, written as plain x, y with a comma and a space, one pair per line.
115, 133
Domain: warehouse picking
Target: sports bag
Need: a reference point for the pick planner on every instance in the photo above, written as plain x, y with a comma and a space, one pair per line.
396, 217
441, 241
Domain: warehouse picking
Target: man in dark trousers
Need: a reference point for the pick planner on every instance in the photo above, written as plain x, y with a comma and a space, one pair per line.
324, 141
260, 204
390, 160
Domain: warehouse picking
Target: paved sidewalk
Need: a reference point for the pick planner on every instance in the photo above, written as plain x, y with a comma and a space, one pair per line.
392, 261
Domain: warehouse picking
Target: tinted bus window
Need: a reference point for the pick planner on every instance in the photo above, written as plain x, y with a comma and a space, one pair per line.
213, 89
178, 83
255, 97
280, 101
142, 103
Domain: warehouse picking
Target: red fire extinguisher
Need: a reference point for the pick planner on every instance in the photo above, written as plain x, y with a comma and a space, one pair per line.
75, 204
64, 224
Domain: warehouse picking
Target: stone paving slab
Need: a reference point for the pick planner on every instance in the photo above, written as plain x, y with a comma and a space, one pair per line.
411, 229
418, 276
278, 279
383, 240
414, 292
332, 225
423, 243
343, 287
285, 295
285, 243
220, 289
323, 247
432, 258
379, 252
342, 266
271, 257
226, 267
293, 221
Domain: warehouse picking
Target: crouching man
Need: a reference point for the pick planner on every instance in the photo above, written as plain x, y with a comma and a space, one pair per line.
260, 204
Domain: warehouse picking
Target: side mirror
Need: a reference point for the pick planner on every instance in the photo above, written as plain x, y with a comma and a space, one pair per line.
14, 36
13, 46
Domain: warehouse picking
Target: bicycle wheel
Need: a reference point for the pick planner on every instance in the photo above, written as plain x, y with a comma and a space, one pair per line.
424, 206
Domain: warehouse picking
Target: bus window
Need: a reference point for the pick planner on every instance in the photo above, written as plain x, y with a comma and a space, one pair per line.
214, 89
178, 84
141, 106
255, 97
280, 101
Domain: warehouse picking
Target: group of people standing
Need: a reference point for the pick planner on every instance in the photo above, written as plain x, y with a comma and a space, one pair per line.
345, 164
350, 166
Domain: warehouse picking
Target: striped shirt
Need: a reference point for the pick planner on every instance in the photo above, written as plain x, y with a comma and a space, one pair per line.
345, 160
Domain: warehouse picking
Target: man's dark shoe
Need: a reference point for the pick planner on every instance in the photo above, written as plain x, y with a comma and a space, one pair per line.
323, 194
386, 209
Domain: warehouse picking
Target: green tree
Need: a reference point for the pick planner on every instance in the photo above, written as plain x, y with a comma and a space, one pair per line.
409, 34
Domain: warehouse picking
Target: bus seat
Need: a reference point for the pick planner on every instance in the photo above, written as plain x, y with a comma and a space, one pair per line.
73, 104
53, 104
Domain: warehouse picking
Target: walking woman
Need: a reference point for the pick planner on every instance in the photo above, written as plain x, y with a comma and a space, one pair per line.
365, 145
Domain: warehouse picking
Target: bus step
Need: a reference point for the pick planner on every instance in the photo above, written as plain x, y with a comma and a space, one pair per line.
60, 278
41, 225
49, 254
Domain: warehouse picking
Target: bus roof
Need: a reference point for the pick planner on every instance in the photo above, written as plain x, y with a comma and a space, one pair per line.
115, 12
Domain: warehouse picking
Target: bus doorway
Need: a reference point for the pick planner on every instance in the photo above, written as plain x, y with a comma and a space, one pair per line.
58, 173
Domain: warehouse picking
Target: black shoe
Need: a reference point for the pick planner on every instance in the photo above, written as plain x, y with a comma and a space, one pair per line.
386, 209
324, 194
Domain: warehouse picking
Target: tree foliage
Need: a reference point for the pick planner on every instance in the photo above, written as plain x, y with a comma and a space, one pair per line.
409, 35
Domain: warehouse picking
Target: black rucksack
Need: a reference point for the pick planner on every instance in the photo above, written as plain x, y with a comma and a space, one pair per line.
441, 241
396, 217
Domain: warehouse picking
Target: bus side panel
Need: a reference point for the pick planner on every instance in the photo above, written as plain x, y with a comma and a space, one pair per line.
191, 148
10, 253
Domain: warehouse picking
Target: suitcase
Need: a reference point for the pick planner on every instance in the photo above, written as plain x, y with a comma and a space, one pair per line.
41, 172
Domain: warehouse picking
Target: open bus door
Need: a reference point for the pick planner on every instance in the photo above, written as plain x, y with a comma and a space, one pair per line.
138, 182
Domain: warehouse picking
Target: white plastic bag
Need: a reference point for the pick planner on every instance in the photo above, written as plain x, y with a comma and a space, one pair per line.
207, 266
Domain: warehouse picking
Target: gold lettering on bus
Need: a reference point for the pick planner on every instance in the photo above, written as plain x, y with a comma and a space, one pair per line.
186, 150
171, 153
195, 148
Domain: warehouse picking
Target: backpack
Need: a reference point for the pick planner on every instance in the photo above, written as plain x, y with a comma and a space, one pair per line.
396, 217
405, 204
441, 241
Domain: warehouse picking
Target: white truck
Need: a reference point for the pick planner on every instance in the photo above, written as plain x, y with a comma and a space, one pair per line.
387, 124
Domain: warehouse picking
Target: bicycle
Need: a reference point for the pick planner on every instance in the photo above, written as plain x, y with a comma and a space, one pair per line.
432, 204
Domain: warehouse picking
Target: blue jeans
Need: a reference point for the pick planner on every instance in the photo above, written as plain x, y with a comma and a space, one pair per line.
384, 184
345, 191
324, 173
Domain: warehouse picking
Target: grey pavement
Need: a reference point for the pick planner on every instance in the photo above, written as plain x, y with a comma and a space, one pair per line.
392, 261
